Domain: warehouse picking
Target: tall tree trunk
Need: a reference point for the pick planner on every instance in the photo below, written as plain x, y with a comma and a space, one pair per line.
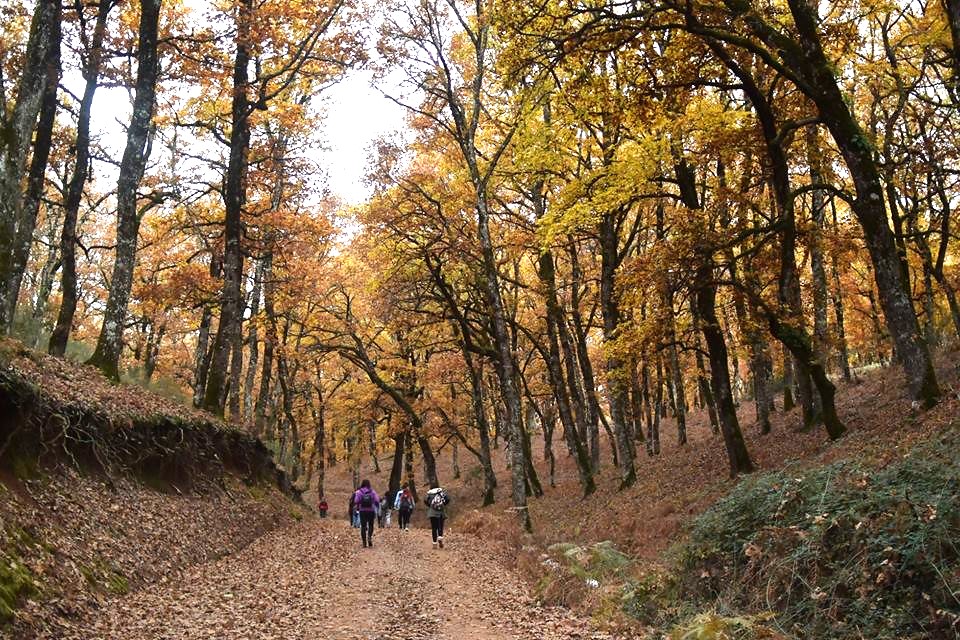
636, 402
616, 386
560, 386
396, 469
47, 273
411, 480
36, 178
533, 478
16, 133
483, 429
74, 193
788, 401
505, 365
679, 396
653, 434
843, 356
821, 295
106, 356
200, 356
703, 383
372, 433
153, 350
270, 340
253, 343
234, 199
706, 296
869, 206
595, 413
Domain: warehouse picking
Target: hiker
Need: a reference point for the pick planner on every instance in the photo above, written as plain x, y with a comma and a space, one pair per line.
322, 506
385, 506
436, 501
381, 508
353, 515
403, 503
368, 502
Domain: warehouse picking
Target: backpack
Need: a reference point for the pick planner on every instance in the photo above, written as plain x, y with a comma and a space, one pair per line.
366, 500
438, 501
406, 502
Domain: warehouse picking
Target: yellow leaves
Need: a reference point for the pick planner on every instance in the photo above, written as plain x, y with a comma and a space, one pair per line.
622, 182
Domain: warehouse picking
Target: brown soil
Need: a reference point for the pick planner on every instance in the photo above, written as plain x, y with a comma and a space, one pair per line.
315, 581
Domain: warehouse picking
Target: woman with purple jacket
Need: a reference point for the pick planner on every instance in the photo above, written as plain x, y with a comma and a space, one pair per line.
367, 502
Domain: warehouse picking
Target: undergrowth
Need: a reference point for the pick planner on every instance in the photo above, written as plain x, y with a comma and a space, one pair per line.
844, 551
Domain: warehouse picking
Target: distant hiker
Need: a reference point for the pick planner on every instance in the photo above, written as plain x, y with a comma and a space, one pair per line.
436, 501
385, 506
403, 503
380, 509
322, 507
367, 502
353, 515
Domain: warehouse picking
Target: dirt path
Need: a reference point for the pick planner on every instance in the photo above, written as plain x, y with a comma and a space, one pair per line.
314, 581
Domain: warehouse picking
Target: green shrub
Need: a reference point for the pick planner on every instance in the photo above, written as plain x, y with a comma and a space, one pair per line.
842, 551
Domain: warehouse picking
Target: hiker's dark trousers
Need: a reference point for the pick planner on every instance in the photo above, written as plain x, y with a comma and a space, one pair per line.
405, 518
436, 528
366, 526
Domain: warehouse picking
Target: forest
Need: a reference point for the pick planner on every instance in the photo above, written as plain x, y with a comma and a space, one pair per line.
602, 219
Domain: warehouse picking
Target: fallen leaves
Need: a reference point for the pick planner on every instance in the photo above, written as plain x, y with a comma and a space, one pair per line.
313, 580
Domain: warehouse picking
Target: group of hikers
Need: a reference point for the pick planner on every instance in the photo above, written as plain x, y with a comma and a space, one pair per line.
367, 506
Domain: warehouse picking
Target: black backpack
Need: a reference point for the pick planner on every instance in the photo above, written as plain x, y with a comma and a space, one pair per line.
438, 501
366, 500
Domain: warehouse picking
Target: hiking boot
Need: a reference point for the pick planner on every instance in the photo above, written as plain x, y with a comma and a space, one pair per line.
440, 541
434, 544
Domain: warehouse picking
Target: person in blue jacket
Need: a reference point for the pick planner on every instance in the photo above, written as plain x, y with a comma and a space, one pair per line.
366, 502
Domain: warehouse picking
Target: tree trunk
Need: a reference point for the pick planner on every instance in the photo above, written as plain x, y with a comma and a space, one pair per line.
268, 345
533, 479
234, 199
200, 356
74, 193
106, 356
372, 441
703, 383
843, 356
483, 428
868, 206
821, 295
653, 434
411, 480
153, 350
505, 366
679, 396
47, 273
595, 413
396, 469
253, 344
716, 347
554, 368
36, 178
636, 403
16, 134
616, 386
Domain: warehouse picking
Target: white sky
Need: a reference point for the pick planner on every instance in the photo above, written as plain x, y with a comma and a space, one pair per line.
357, 114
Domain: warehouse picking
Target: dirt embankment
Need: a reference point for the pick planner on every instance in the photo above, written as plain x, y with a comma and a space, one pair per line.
105, 489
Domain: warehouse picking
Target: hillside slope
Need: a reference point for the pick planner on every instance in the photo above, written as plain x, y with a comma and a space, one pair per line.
105, 489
